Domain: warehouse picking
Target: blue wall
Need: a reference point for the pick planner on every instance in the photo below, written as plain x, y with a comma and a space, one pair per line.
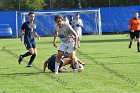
114, 19
9, 17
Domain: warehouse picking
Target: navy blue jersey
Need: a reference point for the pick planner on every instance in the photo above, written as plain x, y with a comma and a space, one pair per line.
29, 29
51, 63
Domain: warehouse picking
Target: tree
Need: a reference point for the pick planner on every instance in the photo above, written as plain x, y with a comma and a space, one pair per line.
22, 4
32, 4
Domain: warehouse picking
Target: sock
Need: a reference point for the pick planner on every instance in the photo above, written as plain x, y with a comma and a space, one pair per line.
74, 64
26, 54
78, 44
56, 67
31, 59
130, 44
138, 46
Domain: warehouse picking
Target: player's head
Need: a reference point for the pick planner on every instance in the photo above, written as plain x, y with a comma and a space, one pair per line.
31, 16
59, 20
136, 14
77, 16
71, 17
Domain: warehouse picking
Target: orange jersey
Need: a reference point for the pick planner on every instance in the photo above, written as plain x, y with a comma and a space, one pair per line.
134, 24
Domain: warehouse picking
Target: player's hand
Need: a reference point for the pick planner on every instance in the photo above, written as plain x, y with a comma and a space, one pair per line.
21, 38
54, 44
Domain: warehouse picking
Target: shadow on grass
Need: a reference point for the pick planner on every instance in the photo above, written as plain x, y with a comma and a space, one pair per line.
125, 63
3, 68
100, 41
20, 74
117, 57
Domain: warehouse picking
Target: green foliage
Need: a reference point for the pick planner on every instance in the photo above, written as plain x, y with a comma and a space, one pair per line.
61, 4
22, 4
35, 4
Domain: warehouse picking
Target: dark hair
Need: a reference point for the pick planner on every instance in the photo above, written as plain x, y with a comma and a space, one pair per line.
58, 16
77, 14
30, 13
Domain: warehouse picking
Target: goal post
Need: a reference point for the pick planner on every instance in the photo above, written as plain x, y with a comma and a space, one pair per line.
45, 20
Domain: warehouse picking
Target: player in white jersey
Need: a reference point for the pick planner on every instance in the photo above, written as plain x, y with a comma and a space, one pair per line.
65, 19
68, 38
78, 24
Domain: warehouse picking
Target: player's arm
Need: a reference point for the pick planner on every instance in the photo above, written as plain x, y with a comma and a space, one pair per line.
81, 24
45, 65
79, 61
36, 35
130, 26
21, 32
54, 40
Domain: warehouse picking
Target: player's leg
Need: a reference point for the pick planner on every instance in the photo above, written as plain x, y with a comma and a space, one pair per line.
79, 61
71, 52
138, 41
131, 39
78, 42
63, 63
28, 46
33, 51
79, 38
57, 61
59, 55
66, 61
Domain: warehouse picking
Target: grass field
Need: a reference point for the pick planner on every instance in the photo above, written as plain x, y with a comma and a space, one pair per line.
110, 67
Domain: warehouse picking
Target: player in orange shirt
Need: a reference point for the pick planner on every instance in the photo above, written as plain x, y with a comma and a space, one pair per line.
134, 26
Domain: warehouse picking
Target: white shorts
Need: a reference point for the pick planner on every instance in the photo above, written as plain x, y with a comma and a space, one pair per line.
67, 47
79, 32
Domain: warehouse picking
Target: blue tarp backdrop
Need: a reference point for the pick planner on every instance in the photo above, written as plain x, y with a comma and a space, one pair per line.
114, 19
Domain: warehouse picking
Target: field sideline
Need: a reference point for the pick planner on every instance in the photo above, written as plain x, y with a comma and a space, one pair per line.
110, 67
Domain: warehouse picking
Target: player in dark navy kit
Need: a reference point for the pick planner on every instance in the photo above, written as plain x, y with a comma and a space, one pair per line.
28, 30
65, 60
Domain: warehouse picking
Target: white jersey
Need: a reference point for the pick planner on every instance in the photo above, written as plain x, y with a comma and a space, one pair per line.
76, 24
66, 20
65, 33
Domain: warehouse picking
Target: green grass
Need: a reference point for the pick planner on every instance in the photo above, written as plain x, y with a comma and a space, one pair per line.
110, 50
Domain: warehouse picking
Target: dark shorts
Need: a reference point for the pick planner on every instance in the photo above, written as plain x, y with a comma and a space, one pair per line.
51, 63
135, 34
29, 44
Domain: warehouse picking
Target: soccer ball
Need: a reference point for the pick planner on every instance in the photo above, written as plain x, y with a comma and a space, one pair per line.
81, 68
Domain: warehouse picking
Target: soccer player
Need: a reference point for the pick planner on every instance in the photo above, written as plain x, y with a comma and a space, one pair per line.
68, 38
78, 24
65, 19
71, 21
50, 63
28, 29
134, 26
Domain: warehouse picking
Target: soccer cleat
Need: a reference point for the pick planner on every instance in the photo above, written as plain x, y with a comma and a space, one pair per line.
129, 46
20, 59
29, 66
